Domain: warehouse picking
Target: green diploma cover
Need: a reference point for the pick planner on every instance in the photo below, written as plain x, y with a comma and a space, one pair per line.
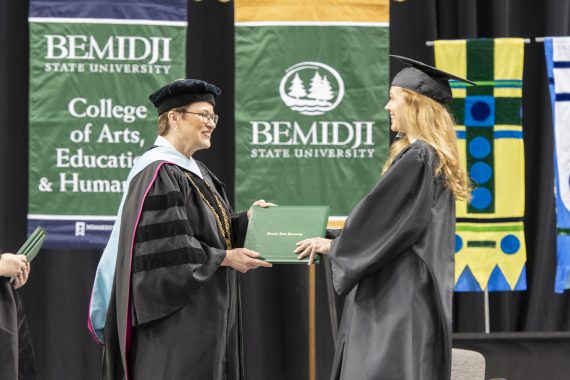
32, 246
273, 231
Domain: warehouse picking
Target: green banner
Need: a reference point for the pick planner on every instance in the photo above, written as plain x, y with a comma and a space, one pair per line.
90, 117
310, 123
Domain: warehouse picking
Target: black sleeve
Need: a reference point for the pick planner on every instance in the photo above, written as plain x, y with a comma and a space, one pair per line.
169, 262
387, 222
333, 233
239, 228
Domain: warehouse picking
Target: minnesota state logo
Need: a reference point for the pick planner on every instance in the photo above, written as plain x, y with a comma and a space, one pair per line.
311, 88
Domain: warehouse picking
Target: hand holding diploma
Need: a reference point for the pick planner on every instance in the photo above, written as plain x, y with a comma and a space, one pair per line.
243, 259
21, 278
310, 247
16, 267
12, 265
260, 203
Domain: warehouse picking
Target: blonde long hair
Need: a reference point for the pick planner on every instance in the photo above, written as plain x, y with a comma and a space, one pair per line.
429, 121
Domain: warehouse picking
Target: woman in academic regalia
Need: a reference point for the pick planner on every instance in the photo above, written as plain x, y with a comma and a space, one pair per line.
394, 258
166, 301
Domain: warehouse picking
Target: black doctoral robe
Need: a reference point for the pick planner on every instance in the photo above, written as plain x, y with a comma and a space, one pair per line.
174, 312
395, 260
16, 353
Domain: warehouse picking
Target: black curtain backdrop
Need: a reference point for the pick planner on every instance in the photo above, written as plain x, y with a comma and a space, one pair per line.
275, 301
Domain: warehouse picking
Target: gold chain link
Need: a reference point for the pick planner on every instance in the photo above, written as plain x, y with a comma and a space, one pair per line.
224, 226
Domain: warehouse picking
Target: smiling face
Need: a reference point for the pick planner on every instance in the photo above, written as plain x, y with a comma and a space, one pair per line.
396, 107
191, 130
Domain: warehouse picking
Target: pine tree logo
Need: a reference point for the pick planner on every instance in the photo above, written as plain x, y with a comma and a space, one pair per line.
324, 93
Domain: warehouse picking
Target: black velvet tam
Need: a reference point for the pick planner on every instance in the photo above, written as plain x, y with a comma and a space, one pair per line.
425, 80
182, 92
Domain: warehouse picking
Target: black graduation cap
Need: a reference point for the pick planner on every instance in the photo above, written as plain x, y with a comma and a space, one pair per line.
426, 80
182, 92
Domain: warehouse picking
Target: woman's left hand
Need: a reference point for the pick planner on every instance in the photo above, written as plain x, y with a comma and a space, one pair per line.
260, 203
310, 247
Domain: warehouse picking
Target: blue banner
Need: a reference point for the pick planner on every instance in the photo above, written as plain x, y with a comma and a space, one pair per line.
557, 51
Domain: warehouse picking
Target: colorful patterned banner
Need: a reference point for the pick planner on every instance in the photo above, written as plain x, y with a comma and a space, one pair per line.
489, 241
92, 66
557, 51
310, 92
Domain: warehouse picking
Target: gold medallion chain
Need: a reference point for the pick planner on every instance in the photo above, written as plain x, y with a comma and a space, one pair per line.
223, 223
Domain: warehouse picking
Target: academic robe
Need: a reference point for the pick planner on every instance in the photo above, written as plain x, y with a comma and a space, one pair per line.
394, 260
16, 353
174, 312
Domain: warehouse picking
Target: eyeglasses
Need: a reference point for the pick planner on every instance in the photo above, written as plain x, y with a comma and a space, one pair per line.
205, 116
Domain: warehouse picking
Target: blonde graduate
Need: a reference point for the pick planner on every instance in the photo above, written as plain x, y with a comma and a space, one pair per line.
422, 118
394, 259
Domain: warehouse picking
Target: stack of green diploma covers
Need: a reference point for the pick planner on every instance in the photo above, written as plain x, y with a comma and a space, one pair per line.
274, 231
32, 246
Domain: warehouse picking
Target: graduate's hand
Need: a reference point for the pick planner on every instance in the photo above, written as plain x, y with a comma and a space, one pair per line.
243, 259
11, 264
310, 247
22, 278
260, 203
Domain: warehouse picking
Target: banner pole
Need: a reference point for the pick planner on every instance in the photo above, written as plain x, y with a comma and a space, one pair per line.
486, 305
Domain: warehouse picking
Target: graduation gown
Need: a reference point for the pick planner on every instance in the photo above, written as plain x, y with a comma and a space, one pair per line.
394, 260
16, 353
174, 311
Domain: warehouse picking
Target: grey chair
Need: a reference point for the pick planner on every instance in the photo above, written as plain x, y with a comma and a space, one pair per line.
467, 365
